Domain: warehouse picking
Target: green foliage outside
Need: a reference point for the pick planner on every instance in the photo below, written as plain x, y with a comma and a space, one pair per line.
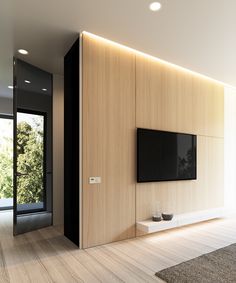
6, 168
29, 164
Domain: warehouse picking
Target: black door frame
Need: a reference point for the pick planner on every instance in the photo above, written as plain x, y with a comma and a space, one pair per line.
9, 117
72, 143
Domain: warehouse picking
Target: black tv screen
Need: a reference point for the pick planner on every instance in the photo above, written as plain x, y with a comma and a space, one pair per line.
165, 156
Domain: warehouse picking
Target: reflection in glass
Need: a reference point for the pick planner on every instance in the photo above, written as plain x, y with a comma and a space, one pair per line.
30, 161
185, 157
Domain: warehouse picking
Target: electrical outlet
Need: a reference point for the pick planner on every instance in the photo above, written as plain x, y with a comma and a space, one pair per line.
95, 180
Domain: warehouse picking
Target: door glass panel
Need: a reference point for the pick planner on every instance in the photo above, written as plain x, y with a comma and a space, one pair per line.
6, 163
32, 158
30, 162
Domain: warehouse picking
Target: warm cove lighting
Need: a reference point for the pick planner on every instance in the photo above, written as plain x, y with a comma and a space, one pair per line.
155, 6
23, 51
136, 52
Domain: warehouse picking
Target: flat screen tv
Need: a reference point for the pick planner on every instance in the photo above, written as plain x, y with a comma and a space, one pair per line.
165, 156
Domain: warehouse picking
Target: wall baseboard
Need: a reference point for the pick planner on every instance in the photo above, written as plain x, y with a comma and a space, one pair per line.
149, 226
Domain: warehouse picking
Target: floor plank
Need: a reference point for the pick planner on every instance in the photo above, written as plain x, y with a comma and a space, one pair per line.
47, 256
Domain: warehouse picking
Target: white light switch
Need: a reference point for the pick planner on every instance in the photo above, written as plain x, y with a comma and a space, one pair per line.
95, 180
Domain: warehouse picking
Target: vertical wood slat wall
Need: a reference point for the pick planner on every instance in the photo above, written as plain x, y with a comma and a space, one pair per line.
108, 143
173, 100
123, 90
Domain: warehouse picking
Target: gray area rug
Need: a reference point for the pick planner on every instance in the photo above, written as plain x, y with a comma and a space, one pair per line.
215, 267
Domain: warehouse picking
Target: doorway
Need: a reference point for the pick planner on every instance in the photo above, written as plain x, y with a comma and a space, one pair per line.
31, 161
32, 185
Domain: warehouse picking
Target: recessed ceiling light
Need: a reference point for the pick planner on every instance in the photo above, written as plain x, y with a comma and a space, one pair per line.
10, 86
28, 82
23, 51
44, 89
155, 6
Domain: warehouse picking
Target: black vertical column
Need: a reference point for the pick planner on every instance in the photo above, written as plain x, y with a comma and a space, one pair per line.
72, 143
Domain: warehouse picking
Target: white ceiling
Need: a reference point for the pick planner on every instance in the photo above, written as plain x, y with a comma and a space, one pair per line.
196, 34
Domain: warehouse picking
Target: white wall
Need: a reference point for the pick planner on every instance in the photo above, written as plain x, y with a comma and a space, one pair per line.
6, 106
58, 150
230, 148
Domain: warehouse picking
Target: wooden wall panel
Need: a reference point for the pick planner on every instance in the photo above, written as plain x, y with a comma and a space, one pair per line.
153, 109
208, 110
229, 147
121, 91
184, 104
108, 142
174, 100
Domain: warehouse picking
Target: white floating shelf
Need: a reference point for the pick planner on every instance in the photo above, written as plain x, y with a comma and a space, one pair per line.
179, 220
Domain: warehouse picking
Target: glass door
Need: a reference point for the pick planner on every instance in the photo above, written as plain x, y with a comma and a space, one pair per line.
32, 158
30, 162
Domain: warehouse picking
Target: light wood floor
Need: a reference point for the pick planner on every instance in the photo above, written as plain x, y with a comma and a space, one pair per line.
47, 256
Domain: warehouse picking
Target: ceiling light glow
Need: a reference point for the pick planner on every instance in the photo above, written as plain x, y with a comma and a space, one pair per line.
23, 51
28, 82
44, 89
156, 59
155, 6
10, 86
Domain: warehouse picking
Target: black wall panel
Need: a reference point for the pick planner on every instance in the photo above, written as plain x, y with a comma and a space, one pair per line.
72, 143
